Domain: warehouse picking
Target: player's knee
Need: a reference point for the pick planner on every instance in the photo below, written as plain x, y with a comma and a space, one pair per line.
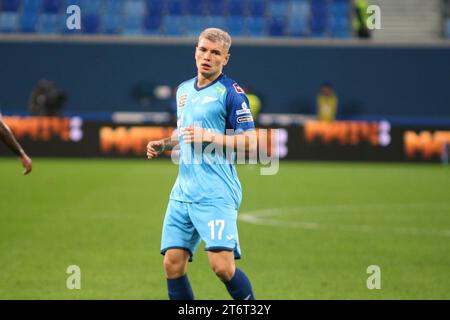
173, 266
224, 272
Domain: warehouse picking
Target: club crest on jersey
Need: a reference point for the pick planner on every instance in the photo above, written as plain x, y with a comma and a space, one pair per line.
182, 101
237, 88
244, 119
244, 110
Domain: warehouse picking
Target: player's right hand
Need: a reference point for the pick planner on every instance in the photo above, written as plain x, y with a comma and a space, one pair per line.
154, 148
27, 164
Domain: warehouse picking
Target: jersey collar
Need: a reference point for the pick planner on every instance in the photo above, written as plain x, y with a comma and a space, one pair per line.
199, 89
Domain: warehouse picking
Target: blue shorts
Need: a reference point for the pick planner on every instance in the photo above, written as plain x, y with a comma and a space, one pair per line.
187, 224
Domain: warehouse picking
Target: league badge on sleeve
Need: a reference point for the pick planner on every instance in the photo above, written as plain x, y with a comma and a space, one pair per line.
237, 88
182, 101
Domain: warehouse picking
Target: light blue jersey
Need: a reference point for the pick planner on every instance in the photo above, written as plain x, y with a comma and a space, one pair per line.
219, 106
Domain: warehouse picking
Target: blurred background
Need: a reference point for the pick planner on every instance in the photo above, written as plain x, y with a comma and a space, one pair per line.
360, 93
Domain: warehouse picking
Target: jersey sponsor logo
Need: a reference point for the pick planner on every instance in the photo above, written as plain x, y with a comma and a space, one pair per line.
237, 88
244, 119
244, 110
182, 101
195, 99
208, 99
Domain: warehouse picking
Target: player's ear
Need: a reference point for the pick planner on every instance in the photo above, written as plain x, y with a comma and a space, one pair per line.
227, 58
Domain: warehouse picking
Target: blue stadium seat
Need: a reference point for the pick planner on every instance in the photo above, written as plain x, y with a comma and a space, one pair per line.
176, 7
174, 25
257, 8
194, 24
73, 2
448, 27
134, 8
31, 6
195, 7
297, 26
28, 22
133, 24
216, 7
110, 23
216, 22
156, 7
51, 23
10, 5
277, 26
51, 6
256, 26
236, 8
340, 27
9, 21
318, 26
236, 26
91, 6
90, 23
152, 24
113, 7
278, 8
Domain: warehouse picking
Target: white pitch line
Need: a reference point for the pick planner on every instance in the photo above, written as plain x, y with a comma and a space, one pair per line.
265, 217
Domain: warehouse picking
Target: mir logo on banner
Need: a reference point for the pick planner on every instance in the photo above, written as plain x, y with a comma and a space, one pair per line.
73, 21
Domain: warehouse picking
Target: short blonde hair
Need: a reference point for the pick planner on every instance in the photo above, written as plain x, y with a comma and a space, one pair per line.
216, 35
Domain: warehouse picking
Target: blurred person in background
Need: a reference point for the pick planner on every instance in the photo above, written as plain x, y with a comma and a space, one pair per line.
8, 138
360, 19
326, 103
254, 101
47, 99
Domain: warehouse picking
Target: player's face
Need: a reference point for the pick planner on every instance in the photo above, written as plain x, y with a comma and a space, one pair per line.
210, 58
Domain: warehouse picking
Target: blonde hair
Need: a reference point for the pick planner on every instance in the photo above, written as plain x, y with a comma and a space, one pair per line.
216, 35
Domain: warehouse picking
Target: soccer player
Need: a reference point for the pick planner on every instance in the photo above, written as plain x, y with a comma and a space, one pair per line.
8, 138
206, 196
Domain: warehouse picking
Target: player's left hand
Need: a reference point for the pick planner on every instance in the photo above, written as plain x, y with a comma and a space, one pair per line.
196, 135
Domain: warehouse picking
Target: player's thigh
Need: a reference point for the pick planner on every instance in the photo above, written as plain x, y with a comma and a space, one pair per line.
178, 229
217, 225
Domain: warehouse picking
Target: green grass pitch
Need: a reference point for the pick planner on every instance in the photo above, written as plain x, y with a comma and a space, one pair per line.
308, 232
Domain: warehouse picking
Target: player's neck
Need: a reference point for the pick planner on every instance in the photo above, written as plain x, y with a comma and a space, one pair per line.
203, 82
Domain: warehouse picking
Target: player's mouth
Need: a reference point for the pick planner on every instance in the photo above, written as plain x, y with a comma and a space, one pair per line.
206, 66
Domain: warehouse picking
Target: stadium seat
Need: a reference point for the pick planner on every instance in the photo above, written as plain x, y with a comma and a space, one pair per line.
31, 6
256, 26
195, 24
176, 7
156, 7
215, 8
134, 8
297, 26
113, 7
277, 26
448, 28
10, 5
9, 21
216, 22
236, 26
174, 25
132, 24
51, 6
110, 23
257, 8
279, 8
28, 22
91, 6
152, 24
90, 23
50, 23
195, 7
340, 27
236, 7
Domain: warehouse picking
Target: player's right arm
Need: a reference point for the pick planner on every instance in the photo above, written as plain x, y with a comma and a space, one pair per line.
8, 138
155, 148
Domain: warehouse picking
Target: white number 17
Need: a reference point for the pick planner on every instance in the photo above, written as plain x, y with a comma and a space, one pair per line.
217, 223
